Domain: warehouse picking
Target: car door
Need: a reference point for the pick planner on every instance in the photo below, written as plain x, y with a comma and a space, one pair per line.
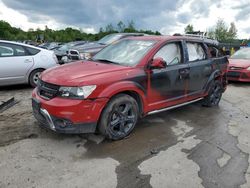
200, 67
15, 62
168, 84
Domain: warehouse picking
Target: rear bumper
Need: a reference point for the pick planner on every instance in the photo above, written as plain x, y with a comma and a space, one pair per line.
242, 75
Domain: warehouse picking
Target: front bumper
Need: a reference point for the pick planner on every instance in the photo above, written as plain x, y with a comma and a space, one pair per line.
241, 75
66, 115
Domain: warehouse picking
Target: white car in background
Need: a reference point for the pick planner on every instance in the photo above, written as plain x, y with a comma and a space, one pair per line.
22, 63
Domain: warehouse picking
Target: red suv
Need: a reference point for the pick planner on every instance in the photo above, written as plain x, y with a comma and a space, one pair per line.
128, 80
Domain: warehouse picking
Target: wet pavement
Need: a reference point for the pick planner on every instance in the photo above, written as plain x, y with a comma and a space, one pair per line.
191, 146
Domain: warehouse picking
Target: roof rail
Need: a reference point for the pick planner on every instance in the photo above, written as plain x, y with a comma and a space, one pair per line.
201, 35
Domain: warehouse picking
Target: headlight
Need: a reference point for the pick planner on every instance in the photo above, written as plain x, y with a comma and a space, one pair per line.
248, 68
76, 92
85, 55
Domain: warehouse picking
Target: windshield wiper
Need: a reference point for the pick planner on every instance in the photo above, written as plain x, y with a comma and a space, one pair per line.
106, 61
101, 43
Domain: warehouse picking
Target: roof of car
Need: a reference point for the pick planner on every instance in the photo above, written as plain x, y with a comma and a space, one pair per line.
170, 37
19, 43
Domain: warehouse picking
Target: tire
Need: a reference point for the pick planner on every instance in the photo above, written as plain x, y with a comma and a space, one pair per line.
119, 117
33, 78
214, 95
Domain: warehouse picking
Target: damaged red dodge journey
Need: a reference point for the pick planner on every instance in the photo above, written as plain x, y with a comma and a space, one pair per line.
128, 80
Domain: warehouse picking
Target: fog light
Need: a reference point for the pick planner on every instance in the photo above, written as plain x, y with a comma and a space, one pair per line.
62, 123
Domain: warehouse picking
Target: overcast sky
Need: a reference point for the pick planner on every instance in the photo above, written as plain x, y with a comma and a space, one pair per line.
166, 16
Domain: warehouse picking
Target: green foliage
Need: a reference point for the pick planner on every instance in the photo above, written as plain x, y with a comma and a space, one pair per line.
189, 29
8, 32
222, 33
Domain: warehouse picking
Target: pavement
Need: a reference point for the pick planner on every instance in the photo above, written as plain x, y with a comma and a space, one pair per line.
192, 146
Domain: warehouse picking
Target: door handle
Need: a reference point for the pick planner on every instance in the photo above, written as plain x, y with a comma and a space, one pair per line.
184, 73
27, 61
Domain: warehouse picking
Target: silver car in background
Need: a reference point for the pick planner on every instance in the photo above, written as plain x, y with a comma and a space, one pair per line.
22, 63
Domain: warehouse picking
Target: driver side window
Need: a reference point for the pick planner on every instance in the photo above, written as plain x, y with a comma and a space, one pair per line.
171, 53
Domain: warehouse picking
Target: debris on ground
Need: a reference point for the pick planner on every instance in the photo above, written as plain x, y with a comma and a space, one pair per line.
4, 105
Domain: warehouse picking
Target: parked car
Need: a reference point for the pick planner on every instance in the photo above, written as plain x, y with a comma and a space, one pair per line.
23, 63
239, 66
88, 50
50, 45
127, 80
63, 50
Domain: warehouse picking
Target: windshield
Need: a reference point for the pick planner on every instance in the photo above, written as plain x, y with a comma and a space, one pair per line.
242, 54
126, 52
109, 39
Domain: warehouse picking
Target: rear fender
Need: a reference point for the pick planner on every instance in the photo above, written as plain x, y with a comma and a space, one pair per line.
217, 74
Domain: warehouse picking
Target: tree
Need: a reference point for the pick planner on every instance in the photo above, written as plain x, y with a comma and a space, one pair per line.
65, 35
222, 33
131, 27
189, 29
109, 28
121, 26
211, 34
232, 33
221, 30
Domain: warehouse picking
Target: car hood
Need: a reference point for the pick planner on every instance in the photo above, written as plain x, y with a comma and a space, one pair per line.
80, 73
243, 63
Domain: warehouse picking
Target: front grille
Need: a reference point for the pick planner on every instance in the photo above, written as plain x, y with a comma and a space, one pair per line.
233, 74
235, 68
47, 90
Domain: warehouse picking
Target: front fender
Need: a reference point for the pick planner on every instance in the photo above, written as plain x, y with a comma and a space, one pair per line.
124, 86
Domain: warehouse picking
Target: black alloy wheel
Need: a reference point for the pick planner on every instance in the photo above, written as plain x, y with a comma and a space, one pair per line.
214, 95
119, 117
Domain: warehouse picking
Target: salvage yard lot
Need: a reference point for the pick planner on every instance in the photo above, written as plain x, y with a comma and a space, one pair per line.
190, 146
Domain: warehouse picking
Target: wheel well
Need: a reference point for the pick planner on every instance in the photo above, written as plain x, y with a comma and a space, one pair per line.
34, 71
136, 96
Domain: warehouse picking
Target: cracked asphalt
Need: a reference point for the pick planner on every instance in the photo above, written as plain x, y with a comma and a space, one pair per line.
191, 146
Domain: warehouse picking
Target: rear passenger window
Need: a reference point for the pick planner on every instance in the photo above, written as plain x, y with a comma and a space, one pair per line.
195, 51
171, 53
32, 51
6, 51
10, 50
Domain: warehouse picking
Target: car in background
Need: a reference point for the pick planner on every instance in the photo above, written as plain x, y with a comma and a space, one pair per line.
239, 66
88, 50
50, 45
128, 80
23, 63
63, 50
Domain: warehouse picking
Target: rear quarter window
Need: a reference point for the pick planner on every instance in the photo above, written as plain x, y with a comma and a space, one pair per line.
214, 51
196, 51
32, 51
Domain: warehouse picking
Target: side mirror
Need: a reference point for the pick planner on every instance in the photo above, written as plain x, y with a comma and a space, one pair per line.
158, 63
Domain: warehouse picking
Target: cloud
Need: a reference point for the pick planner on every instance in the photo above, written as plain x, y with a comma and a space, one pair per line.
166, 16
94, 13
243, 11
